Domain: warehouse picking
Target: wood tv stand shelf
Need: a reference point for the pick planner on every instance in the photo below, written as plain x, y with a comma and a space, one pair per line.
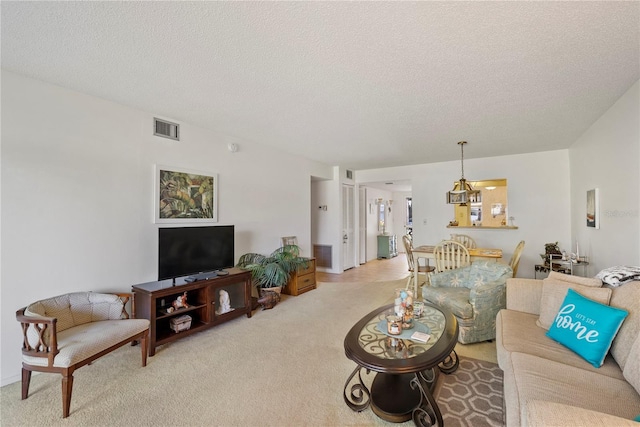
153, 298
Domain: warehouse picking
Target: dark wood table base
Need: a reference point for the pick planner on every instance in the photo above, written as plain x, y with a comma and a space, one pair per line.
400, 397
406, 370
393, 398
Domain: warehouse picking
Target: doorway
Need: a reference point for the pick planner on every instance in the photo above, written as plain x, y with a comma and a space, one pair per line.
348, 227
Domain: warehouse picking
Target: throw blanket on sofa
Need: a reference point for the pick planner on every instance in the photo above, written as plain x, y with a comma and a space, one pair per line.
619, 275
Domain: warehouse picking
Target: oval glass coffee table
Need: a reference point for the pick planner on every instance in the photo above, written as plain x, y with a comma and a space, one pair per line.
406, 369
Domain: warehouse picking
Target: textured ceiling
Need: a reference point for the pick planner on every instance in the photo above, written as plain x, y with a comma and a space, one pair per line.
357, 84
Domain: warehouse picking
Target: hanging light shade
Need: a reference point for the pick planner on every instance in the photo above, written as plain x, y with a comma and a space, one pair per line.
462, 190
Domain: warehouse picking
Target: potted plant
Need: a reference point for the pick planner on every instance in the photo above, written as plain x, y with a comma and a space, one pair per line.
272, 272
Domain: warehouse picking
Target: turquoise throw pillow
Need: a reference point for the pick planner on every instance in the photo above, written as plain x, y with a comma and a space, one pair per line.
587, 327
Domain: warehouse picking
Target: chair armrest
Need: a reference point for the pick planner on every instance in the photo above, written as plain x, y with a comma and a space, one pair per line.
125, 297
39, 336
489, 293
487, 300
450, 278
524, 295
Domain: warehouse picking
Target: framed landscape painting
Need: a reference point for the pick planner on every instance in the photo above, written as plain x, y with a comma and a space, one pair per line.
593, 216
184, 195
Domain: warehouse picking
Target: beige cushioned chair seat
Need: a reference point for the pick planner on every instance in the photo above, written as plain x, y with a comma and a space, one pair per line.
81, 342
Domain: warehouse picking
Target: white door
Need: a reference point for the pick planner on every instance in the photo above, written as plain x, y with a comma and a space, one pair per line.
362, 225
348, 232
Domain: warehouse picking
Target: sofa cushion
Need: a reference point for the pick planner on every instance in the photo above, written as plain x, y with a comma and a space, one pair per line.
73, 309
626, 297
555, 277
81, 342
553, 293
530, 378
77, 308
57, 307
542, 413
632, 368
586, 326
455, 299
517, 332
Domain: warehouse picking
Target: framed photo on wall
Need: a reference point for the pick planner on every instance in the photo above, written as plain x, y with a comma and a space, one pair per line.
593, 209
185, 195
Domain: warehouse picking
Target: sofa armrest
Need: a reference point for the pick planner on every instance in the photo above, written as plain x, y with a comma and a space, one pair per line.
524, 295
39, 336
125, 297
543, 414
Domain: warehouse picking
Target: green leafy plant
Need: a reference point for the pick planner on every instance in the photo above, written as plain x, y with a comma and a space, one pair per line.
275, 269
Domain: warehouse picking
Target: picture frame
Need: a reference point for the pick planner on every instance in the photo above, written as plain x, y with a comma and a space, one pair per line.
593, 208
497, 209
184, 195
289, 240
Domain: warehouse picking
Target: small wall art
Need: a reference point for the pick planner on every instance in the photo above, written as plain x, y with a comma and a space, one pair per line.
185, 195
593, 208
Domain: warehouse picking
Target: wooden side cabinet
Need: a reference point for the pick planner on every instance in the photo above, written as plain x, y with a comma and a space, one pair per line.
154, 300
302, 281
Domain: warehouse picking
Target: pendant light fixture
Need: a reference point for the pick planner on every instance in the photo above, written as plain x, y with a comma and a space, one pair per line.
462, 190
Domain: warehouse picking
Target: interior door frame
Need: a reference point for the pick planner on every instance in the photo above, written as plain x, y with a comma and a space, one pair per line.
348, 227
362, 225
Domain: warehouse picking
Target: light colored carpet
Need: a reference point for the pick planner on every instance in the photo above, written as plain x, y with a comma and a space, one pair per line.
283, 367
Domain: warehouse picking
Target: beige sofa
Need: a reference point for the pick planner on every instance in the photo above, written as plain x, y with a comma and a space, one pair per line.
545, 383
64, 333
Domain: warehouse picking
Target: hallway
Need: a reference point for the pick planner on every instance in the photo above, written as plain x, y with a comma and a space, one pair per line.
373, 271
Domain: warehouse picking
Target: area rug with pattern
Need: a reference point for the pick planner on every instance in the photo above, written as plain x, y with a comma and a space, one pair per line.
472, 395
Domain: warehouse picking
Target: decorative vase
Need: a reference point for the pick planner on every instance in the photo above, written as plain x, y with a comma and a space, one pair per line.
276, 289
268, 298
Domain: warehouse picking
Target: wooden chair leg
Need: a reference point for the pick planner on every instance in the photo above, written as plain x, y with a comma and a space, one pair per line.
26, 380
409, 281
144, 344
67, 387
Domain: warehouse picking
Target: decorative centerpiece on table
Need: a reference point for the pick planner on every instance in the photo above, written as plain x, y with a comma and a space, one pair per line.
269, 273
403, 307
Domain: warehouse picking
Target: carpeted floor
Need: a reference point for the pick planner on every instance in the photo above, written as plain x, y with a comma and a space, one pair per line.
282, 367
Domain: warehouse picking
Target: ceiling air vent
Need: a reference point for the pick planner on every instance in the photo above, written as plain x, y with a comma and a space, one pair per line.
166, 129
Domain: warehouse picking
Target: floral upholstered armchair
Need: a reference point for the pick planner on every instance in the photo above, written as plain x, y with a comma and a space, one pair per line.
474, 294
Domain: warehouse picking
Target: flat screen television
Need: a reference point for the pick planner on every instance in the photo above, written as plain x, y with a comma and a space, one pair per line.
184, 251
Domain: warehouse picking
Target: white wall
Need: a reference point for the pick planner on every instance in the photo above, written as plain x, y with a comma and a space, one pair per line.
327, 224
607, 157
77, 188
538, 188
